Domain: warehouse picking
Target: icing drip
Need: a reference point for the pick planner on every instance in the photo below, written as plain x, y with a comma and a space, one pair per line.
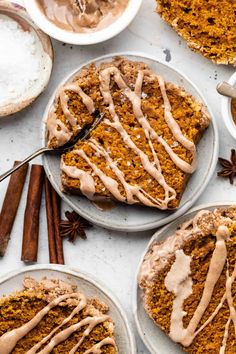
179, 282
97, 348
87, 101
9, 340
64, 134
174, 127
232, 317
160, 253
87, 183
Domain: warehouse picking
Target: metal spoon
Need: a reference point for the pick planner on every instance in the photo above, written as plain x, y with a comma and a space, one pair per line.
82, 135
225, 89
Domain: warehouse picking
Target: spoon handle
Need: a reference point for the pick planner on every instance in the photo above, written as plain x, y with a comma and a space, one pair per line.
225, 89
29, 158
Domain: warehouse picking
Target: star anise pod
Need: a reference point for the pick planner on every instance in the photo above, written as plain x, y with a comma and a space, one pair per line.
74, 226
229, 167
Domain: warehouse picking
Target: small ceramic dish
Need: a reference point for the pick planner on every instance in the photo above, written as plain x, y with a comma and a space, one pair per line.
130, 218
153, 337
83, 38
87, 284
44, 51
226, 111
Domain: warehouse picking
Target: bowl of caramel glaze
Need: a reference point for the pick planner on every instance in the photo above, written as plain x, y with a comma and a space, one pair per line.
228, 109
82, 22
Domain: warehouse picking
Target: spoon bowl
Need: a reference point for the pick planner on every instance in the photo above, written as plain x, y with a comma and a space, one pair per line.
227, 90
82, 135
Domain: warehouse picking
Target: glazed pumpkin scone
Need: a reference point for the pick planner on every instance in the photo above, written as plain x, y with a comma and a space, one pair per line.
51, 316
207, 26
188, 283
144, 150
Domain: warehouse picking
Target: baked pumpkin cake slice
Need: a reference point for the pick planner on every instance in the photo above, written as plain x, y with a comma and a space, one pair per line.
144, 150
51, 316
188, 283
208, 26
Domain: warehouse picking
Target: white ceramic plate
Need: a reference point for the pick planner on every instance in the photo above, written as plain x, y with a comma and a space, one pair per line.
87, 284
136, 218
154, 338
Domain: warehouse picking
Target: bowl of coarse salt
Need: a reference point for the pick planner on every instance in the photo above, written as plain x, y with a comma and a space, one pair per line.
26, 59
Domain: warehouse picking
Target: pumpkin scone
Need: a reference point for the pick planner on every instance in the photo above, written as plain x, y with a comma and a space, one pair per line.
52, 316
188, 283
208, 26
144, 150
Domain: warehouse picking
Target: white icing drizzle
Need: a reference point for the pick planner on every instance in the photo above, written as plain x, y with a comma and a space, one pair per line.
87, 101
109, 183
224, 342
77, 309
150, 133
91, 322
133, 193
64, 135
9, 340
156, 173
97, 348
178, 281
174, 127
158, 257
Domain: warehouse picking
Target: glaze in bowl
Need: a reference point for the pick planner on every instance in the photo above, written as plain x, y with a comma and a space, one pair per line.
83, 38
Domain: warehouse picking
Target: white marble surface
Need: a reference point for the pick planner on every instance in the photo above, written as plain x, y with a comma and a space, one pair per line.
111, 256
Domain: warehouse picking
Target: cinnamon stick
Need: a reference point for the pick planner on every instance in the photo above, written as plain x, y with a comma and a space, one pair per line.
10, 205
31, 218
53, 220
50, 222
56, 204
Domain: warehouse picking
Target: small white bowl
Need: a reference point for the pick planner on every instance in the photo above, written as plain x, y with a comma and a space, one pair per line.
83, 38
44, 50
226, 109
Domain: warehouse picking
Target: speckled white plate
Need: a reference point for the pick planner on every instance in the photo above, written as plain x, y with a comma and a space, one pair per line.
88, 285
154, 338
136, 218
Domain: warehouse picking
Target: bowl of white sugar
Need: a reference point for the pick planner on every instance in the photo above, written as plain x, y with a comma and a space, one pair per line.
26, 59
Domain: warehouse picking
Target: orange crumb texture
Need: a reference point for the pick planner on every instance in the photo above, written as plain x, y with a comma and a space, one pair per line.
208, 26
158, 301
190, 115
19, 308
